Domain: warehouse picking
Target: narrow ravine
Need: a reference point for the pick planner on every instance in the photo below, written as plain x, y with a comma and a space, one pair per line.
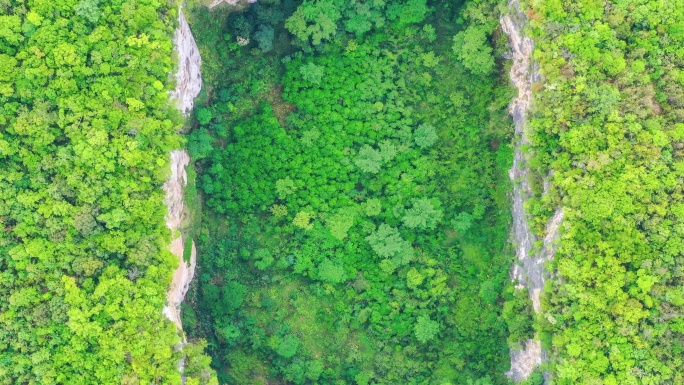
529, 269
188, 87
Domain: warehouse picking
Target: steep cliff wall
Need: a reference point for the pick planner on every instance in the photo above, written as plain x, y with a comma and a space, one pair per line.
188, 85
189, 76
529, 270
523, 75
186, 269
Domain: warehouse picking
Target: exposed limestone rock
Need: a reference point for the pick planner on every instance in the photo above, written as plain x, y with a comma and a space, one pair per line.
183, 275
551, 234
180, 283
174, 188
188, 77
523, 75
525, 361
547, 252
188, 86
529, 270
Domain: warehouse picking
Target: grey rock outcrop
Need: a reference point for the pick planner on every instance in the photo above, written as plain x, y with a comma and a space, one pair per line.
189, 75
529, 270
185, 271
188, 86
523, 75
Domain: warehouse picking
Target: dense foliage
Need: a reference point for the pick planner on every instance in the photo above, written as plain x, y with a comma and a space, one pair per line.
610, 124
352, 159
354, 178
84, 135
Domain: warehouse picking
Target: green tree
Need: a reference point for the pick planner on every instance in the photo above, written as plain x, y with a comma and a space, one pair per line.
425, 135
536, 378
10, 29
284, 187
473, 50
303, 220
310, 136
372, 207
7, 74
369, 159
264, 259
462, 222
232, 295
200, 143
314, 369
414, 278
359, 18
388, 151
312, 73
363, 378
489, 291
230, 333
89, 10
204, 116
314, 20
331, 272
279, 211
386, 241
339, 224
264, 37
422, 214
426, 329
288, 346
407, 12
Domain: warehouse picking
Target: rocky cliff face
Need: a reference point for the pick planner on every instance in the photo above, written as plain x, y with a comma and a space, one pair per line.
174, 202
523, 75
188, 85
188, 77
529, 270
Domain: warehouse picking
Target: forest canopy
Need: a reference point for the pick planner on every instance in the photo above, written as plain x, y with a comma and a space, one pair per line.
608, 134
353, 167
85, 129
350, 163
